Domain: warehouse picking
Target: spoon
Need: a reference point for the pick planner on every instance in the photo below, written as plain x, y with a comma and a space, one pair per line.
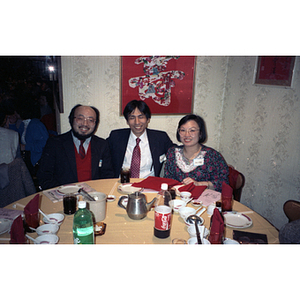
82, 192
188, 201
29, 237
45, 216
195, 219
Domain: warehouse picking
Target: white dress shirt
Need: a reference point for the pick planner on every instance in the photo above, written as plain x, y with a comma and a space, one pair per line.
146, 167
77, 143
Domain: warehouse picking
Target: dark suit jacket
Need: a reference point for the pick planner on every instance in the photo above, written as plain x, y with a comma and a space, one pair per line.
159, 143
58, 162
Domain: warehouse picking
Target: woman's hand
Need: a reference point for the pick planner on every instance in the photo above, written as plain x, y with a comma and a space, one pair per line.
189, 180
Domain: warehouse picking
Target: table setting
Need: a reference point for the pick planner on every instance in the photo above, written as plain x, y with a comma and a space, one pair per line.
116, 227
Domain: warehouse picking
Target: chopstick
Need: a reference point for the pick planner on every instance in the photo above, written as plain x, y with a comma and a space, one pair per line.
246, 212
113, 188
21, 205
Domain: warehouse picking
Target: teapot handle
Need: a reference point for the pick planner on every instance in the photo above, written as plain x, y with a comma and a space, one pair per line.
120, 202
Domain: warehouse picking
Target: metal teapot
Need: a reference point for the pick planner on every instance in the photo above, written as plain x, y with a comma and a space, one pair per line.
137, 206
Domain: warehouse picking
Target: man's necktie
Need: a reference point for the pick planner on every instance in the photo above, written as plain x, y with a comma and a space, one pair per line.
81, 149
136, 160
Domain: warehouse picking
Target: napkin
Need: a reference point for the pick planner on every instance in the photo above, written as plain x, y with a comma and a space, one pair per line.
217, 225
226, 190
32, 206
195, 190
17, 235
154, 183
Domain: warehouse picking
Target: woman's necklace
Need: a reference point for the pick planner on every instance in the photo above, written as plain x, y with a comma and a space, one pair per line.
191, 158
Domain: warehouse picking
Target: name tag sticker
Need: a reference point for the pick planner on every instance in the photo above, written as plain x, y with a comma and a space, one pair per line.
100, 163
199, 161
162, 158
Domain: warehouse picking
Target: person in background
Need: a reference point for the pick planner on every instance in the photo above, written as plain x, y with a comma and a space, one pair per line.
33, 134
9, 142
77, 155
193, 161
153, 144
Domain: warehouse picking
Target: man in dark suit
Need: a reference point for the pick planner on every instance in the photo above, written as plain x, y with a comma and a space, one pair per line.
77, 155
153, 144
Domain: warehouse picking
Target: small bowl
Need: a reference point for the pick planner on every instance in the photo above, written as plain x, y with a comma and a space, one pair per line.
176, 204
192, 231
111, 198
55, 218
47, 229
184, 212
185, 196
193, 241
192, 224
47, 239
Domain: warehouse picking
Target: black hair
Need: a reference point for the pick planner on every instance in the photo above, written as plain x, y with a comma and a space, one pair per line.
140, 105
72, 113
199, 121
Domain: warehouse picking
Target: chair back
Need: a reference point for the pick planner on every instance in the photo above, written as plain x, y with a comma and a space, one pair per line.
20, 183
237, 182
291, 209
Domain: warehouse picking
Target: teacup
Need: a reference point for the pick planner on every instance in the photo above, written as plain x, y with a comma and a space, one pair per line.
185, 196
193, 241
192, 230
184, 212
176, 204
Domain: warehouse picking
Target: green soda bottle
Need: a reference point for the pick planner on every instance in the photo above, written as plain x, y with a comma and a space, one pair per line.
83, 229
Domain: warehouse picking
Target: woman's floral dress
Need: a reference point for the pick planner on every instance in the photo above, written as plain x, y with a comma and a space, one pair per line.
209, 165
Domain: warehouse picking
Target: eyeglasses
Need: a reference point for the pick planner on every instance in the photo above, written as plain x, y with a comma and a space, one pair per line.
80, 120
191, 131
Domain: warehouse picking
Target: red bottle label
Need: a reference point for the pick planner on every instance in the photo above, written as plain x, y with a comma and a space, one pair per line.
162, 219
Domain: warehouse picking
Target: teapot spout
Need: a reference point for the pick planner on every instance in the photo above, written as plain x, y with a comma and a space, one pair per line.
150, 204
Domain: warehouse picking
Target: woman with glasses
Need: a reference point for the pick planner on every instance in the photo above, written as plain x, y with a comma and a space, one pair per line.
193, 161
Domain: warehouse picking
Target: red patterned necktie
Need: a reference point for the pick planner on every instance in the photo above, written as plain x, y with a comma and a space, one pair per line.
81, 149
136, 160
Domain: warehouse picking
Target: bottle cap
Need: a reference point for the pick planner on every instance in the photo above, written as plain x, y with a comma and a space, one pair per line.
81, 204
164, 186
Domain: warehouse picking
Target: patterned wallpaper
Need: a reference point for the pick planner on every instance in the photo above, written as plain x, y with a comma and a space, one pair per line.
256, 128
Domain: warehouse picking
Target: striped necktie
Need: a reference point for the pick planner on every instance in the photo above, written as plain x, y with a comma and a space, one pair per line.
81, 149
136, 160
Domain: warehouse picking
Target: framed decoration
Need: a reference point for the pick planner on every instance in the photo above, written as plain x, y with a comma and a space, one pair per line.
165, 83
275, 70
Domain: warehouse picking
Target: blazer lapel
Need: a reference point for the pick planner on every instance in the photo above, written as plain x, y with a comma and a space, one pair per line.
70, 153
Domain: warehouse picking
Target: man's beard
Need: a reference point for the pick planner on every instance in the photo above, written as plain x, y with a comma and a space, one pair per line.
82, 136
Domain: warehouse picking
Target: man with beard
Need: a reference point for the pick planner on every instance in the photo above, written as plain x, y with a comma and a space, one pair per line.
77, 155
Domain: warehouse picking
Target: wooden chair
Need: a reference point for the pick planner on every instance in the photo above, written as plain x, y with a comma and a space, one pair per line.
291, 209
237, 182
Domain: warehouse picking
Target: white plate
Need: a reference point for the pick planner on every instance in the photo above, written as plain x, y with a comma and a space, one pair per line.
126, 188
67, 189
5, 225
237, 220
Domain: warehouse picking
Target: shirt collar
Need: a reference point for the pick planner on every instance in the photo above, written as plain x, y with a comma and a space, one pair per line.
143, 137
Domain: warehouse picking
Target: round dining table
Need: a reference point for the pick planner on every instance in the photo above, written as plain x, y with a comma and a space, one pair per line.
120, 229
